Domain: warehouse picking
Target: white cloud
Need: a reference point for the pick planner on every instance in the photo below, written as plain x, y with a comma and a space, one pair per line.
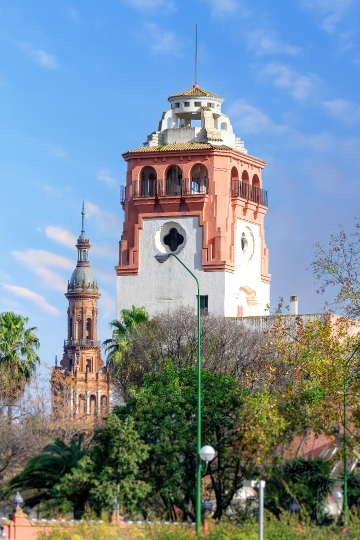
283, 76
149, 5
38, 262
107, 177
343, 109
223, 7
107, 305
161, 42
37, 257
331, 11
249, 119
61, 235
106, 250
41, 57
66, 238
74, 16
52, 149
320, 142
57, 151
33, 297
105, 220
51, 190
264, 42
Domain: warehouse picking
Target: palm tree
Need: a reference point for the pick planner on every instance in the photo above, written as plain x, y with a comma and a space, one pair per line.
44, 471
117, 345
18, 357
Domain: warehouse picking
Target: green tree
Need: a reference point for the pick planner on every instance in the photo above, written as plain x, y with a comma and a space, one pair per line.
75, 477
115, 346
164, 413
44, 471
18, 357
354, 491
308, 482
110, 469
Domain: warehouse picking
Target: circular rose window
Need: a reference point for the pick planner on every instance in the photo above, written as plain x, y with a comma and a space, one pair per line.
170, 238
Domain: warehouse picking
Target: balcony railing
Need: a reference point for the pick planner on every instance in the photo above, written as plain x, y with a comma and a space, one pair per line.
249, 192
82, 343
182, 187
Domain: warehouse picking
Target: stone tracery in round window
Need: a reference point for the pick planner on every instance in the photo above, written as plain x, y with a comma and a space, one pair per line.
170, 238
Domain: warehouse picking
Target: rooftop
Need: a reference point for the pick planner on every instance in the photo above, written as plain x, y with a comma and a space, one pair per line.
195, 91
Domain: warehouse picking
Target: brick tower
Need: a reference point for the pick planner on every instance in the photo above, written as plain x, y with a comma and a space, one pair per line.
82, 383
194, 190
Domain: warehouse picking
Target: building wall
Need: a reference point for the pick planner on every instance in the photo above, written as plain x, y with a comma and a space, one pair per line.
167, 286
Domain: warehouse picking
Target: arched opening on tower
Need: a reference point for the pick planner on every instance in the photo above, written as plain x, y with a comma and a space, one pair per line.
148, 182
199, 178
93, 405
88, 329
173, 180
245, 187
88, 366
103, 404
80, 328
71, 328
234, 182
256, 181
223, 126
250, 296
256, 189
82, 405
245, 177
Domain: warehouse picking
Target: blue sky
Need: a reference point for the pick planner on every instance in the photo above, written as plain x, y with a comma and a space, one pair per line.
82, 82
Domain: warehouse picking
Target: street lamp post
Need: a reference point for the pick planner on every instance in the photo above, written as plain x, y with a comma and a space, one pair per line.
345, 381
161, 258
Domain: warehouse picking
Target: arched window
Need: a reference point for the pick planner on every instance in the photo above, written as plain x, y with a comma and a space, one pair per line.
71, 328
148, 182
103, 404
199, 178
169, 123
256, 181
245, 187
234, 182
88, 329
93, 405
256, 189
88, 367
223, 126
245, 177
82, 405
80, 329
173, 181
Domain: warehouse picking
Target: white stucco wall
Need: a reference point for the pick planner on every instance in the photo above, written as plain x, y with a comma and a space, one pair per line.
246, 282
167, 286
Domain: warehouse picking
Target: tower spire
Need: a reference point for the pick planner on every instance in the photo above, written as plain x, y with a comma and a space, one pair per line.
83, 219
196, 58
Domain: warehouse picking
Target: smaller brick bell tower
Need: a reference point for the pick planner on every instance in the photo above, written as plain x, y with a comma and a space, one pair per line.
82, 385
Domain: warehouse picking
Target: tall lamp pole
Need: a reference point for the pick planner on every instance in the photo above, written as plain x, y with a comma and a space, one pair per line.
161, 258
345, 374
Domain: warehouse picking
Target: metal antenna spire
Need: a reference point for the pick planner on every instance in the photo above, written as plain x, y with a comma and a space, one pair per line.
56, 360
83, 219
196, 56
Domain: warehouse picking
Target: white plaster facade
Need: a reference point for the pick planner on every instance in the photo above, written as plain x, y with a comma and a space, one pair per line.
166, 287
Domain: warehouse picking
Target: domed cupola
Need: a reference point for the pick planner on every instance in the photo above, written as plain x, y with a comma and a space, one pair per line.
195, 116
82, 277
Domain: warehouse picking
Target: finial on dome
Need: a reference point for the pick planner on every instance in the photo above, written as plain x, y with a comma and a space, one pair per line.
83, 219
196, 59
